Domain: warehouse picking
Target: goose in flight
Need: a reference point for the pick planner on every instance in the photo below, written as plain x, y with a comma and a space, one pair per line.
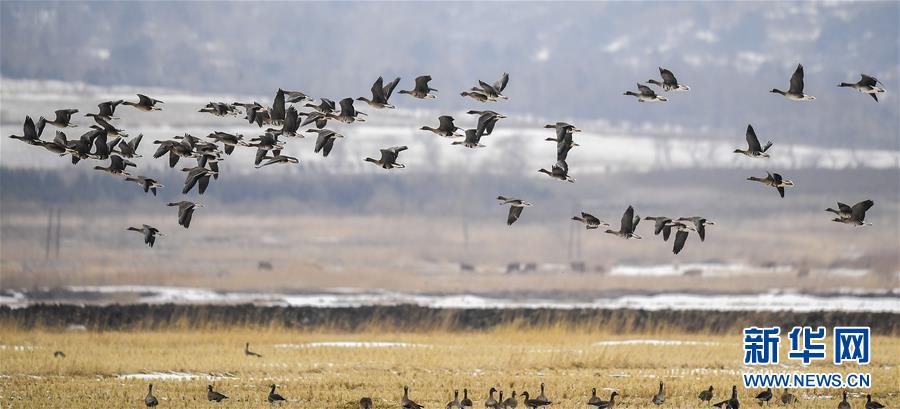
486, 120
473, 139
278, 108
795, 92
110, 130
515, 210
682, 231
493, 91
421, 90
145, 103
145, 183
774, 180
388, 158
406, 402
348, 114
325, 140
662, 225
669, 83
381, 93
128, 149
867, 84
107, 110
754, 149
150, 233
697, 224
295, 96
29, 133
562, 125
325, 106
150, 400
445, 127
219, 109
116, 166
600, 403
278, 159
63, 120
81, 148
564, 143
559, 171
289, 124
855, 215
628, 225
590, 222
185, 211
228, 140
59, 145
645, 94
212, 395
476, 95
194, 175
274, 397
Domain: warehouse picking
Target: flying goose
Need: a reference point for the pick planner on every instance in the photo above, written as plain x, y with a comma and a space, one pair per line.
660, 396
490, 402
445, 127
669, 83
602, 404
289, 124
562, 135
455, 402
515, 210
185, 211
248, 352
325, 140
421, 90
29, 133
706, 395
107, 110
871, 404
465, 402
731, 403
295, 96
476, 95
564, 143
855, 215
325, 106
59, 145
219, 109
699, 224
568, 127
406, 402
365, 403
774, 180
764, 396
681, 236
228, 140
194, 175
274, 397
145, 103
787, 398
63, 120
348, 114
843, 404
754, 149
494, 91
278, 108
645, 94
590, 222
148, 184
81, 148
559, 171
110, 130
116, 166
212, 395
662, 225
150, 233
473, 139
486, 120
628, 224
150, 400
867, 84
381, 93
388, 158
278, 158
534, 403
795, 93
128, 149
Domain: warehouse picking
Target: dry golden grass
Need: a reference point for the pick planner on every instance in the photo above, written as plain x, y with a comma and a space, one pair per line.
566, 360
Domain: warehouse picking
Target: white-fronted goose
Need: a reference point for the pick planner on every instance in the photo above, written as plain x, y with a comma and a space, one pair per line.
295, 96
669, 83
533, 403
248, 352
754, 149
645, 94
871, 404
731, 403
406, 402
348, 114
843, 404
212, 395
465, 402
494, 91
148, 184
787, 398
325, 140
365, 403
107, 110
228, 140
490, 402
476, 95
855, 215
602, 404
150, 400
706, 395
289, 124
697, 224
486, 121
81, 148
421, 90
388, 158
445, 128
867, 84
543, 397
515, 210
473, 139
29, 133
128, 149
185, 211
59, 145
116, 166
628, 225
795, 93
511, 402
774, 180
563, 125
454, 404
107, 127
63, 120
195, 175
274, 397
681, 235
219, 109
764, 396
325, 106
559, 171
278, 108
278, 159
564, 143
662, 225
150, 233
660, 396
590, 222
381, 93
145, 103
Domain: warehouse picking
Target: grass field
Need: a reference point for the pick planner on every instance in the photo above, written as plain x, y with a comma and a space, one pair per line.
569, 361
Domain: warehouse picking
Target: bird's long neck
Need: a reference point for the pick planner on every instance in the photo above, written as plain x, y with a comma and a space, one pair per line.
844, 84
272, 391
778, 91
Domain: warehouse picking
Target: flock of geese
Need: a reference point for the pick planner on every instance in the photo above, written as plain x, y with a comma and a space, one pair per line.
540, 401
283, 120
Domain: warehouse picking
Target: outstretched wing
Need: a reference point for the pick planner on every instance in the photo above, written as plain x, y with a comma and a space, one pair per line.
627, 220
797, 80
514, 213
701, 228
645, 90
858, 211
29, 130
446, 123
389, 88
668, 77
752, 140
680, 238
500, 85
422, 83
378, 90
868, 80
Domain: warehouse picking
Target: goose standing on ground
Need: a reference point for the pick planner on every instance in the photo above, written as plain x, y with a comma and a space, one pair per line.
248, 352
543, 397
29, 133
754, 149
195, 175
150, 233
381, 93
490, 402
843, 404
274, 397
787, 398
185, 211
145, 103
559, 171
602, 404
590, 222
534, 403
212, 395
421, 90
446, 128
150, 400
148, 184
406, 402
465, 402
455, 402
278, 159
764, 396
645, 94
348, 113
628, 225
594, 400
855, 215
871, 404
774, 180
365, 403
867, 84
494, 91
515, 210
661, 224
325, 140
510, 402
660, 396
116, 166
388, 158
731, 403
795, 93
472, 140
669, 83
706, 395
